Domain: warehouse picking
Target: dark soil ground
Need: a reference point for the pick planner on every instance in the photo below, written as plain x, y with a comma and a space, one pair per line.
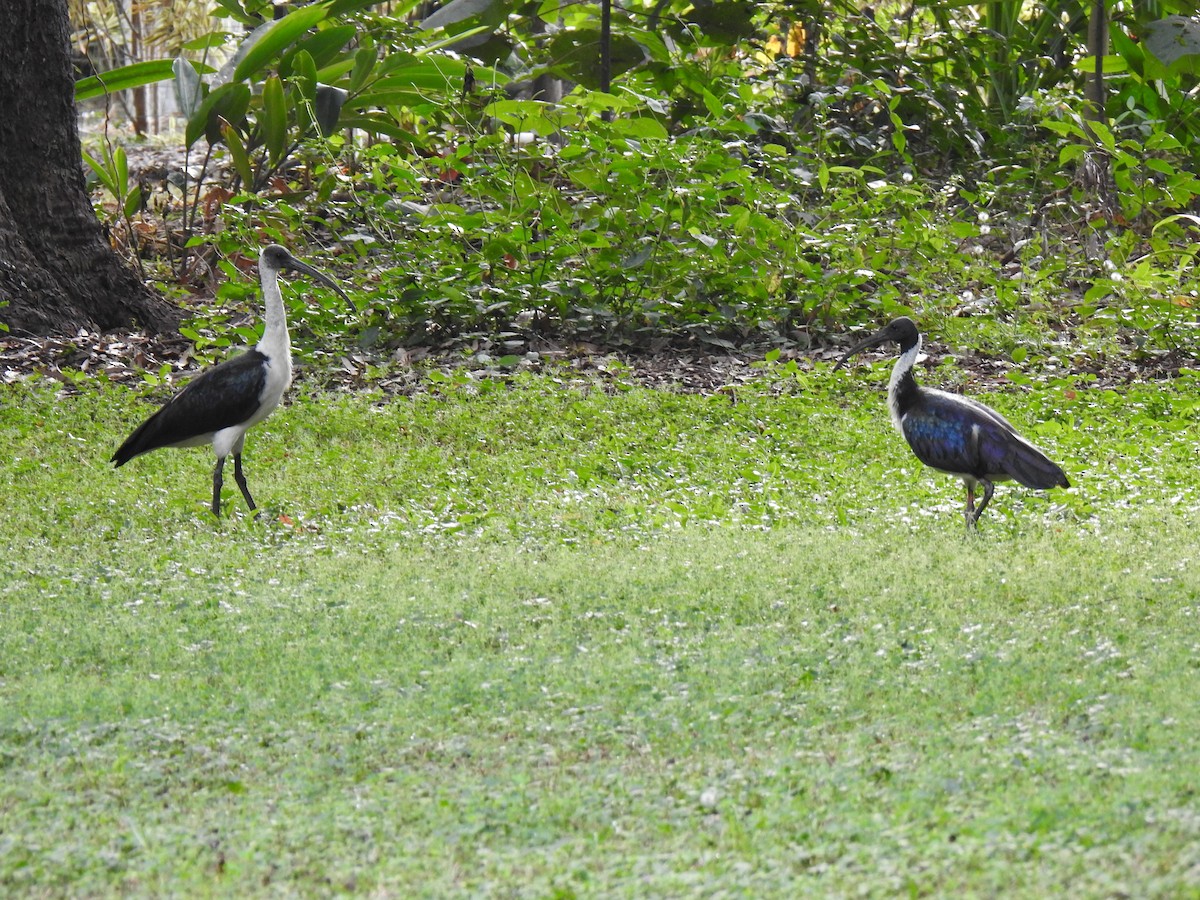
125, 357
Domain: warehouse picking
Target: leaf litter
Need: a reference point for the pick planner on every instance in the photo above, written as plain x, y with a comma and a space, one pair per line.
125, 357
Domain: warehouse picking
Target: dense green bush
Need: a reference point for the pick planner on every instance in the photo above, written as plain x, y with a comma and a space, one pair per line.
721, 192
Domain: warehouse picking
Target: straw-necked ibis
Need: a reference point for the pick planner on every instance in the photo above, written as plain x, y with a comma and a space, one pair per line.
221, 404
954, 434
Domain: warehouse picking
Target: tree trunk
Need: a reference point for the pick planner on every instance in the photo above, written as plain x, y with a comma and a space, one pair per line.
57, 270
1096, 171
1093, 82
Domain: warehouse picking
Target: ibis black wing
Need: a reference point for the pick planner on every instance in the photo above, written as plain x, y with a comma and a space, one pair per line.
1002, 450
959, 435
217, 398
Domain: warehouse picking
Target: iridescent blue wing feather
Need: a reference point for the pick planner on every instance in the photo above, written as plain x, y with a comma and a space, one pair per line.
940, 436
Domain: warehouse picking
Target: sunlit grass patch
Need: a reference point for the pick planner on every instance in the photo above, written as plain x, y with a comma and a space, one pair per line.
553, 641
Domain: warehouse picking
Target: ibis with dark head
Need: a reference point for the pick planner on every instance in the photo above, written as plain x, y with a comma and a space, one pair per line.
954, 434
221, 404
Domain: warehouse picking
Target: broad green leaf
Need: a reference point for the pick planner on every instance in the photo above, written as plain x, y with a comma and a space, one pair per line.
384, 99
1060, 127
641, 127
593, 103
1098, 291
274, 118
652, 43
373, 124
1184, 218
392, 61
1109, 65
134, 75
208, 41
233, 9
714, 106
304, 85
482, 49
306, 114
229, 101
324, 47
1160, 165
576, 55
237, 152
333, 72
515, 110
523, 115
656, 105
437, 74
491, 11
639, 259
276, 37
1104, 136
1128, 50
364, 62
102, 172
1161, 141
397, 11
1071, 153
121, 170
726, 22
1174, 42
189, 89
133, 203
304, 73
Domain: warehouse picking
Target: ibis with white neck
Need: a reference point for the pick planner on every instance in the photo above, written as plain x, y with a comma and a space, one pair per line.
221, 404
954, 434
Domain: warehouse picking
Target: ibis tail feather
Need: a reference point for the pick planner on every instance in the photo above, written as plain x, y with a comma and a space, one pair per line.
1032, 468
143, 440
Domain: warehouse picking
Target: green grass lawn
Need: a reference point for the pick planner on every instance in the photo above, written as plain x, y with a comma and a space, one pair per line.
539, 639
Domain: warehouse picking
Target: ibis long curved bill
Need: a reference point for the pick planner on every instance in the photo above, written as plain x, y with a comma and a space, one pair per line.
292, 264
955, 434
895, 330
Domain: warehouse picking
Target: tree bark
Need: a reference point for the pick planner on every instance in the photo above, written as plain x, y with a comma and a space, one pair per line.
1096, 170
58, 272
1093, 82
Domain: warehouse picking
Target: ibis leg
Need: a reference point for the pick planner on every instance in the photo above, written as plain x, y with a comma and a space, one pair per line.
240, 478
969, 510
217, 482
988, 489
